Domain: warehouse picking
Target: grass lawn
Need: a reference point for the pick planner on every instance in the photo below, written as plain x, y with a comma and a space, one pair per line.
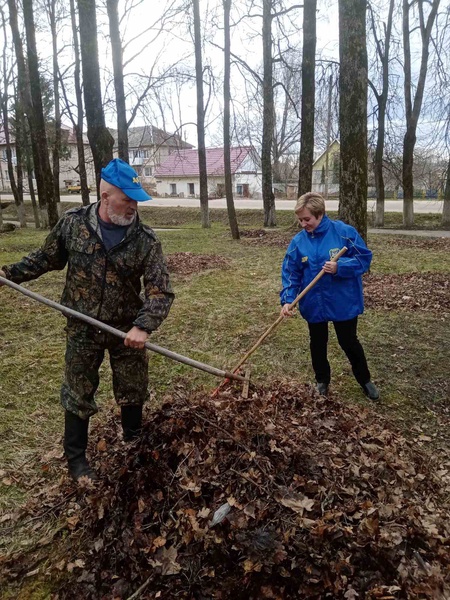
217, 316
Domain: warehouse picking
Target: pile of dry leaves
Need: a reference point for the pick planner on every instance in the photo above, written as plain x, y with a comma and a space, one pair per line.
408, 291
187, 263
287, 495
261, 237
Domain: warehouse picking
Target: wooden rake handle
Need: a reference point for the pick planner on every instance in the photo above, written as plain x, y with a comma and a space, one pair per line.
335, 258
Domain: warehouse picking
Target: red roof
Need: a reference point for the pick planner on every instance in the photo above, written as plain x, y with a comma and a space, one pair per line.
182, 163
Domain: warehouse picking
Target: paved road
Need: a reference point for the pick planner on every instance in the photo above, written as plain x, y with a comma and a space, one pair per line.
420, 206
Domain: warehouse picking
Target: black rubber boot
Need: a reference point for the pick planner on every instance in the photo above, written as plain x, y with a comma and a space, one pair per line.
75, 444
322, 388
131, 421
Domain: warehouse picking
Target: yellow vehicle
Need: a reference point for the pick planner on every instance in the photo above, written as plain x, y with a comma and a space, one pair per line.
75, 189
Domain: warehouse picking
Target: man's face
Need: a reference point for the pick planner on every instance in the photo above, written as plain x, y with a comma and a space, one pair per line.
120, 209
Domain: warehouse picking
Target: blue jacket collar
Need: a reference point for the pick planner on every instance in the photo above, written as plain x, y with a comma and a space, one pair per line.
322, 227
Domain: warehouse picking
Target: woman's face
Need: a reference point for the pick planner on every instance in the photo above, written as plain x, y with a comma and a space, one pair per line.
307, 220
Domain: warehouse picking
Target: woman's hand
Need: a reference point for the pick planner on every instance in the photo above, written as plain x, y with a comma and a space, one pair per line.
286, 311
330, 267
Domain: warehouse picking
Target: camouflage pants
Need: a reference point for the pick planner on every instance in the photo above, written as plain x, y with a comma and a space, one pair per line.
85, 351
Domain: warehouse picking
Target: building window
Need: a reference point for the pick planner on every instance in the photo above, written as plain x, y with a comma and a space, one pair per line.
5, 156
140, 153
239, 189
191, 189
173, 189
148, 171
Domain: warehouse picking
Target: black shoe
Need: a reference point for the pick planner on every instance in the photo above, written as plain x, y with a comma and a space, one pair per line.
75, 444
322, 388
371, 391
131, 421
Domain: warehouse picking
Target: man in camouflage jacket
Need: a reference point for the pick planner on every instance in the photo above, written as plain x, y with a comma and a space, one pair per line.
107, 250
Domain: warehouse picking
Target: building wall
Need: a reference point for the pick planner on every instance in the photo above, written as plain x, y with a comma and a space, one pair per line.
216, 185
67, 175
253, 180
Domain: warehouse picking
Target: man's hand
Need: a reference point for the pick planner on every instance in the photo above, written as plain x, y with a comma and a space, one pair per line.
286, 311
136, 338
330, 267
2, 274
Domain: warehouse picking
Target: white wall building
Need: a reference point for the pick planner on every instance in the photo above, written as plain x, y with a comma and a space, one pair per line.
178, 174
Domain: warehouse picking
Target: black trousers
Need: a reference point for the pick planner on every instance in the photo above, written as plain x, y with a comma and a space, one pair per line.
348, 341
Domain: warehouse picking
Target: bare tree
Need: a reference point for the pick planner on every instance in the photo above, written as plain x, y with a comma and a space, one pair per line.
31, 97
100, 139
413, 102
308, 97
117, 57
353, 114
383, 53
78, 121
446, 208
16, 187
200, 117
43, 171
56, 153
226, 123
268, 118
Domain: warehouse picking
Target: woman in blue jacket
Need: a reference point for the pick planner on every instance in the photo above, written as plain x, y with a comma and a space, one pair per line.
337, 296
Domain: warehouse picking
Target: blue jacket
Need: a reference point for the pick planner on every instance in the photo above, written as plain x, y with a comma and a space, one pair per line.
336, 297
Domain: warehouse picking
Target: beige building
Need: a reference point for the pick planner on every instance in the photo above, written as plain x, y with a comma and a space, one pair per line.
68, 164
148, 148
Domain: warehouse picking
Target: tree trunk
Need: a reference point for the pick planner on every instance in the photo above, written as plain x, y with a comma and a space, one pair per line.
16, 188
308, 98
56, 154
100, 139
268, 118
353, 114
78, 125
232, 219
327, 155
43, 171
117, 57
446, 208
413, 108
200, 117
25, 96
382, 102
34, 203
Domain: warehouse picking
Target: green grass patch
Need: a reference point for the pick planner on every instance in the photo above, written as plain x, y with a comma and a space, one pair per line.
247, 218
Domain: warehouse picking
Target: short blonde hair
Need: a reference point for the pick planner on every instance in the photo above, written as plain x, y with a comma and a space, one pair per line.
313, 201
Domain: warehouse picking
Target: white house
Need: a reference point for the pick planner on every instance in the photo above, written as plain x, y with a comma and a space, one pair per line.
178, 174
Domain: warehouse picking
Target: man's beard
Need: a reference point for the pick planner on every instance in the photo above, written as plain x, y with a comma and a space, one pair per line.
119, 219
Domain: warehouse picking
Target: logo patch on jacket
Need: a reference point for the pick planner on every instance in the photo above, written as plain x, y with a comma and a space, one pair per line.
333, 252
304, 258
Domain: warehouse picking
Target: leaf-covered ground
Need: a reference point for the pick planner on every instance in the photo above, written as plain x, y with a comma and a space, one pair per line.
408, 291
285, 495
187, 263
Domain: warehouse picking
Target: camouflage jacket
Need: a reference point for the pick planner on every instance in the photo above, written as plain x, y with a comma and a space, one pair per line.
103, 284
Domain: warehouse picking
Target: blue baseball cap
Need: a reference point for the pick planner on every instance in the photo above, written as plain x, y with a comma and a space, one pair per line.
119, 173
